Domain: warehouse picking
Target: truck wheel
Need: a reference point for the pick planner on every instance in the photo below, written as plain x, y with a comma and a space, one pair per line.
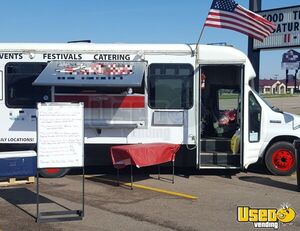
53, 172
280, 159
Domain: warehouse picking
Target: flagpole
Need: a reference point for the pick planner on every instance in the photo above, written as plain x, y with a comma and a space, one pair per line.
197, 44
201, 33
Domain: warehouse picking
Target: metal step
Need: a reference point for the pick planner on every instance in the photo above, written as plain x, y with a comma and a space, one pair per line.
215, 145
219, 159
215, 166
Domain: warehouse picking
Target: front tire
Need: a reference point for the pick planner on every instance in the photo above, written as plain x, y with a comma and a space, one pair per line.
53, 172
280, 159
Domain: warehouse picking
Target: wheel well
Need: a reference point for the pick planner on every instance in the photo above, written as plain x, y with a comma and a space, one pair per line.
276, 139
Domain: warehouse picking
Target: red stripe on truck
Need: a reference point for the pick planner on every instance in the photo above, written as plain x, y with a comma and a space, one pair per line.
104, 101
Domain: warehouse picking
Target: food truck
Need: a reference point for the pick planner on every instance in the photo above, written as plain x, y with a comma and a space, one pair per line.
199, 98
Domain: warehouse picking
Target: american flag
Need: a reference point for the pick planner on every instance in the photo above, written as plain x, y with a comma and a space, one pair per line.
230, 15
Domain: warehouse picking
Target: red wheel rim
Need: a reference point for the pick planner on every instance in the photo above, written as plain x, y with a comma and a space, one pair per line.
52, 170
283, 159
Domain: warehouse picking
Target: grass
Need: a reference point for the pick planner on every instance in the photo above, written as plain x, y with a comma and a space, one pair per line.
228, 96
278, 95
234, 96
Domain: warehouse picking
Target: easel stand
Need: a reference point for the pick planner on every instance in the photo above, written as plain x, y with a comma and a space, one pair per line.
57, 216
60, 144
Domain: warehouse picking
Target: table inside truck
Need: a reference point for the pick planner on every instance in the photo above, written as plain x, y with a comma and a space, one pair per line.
142, 155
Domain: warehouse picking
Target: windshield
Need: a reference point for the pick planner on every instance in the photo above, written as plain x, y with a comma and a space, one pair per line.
274, 108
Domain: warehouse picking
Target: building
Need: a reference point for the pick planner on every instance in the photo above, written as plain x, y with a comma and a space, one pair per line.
272, 86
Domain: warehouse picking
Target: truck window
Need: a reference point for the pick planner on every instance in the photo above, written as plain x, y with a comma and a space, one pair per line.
170, 86
254, 119
19, 91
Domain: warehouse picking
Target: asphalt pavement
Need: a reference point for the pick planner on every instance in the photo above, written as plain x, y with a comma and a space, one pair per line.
207, 200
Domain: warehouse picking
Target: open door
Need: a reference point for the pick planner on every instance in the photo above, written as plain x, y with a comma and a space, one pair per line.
220, 99
252, 134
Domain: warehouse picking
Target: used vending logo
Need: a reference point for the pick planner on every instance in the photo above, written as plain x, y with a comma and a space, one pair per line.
266, 217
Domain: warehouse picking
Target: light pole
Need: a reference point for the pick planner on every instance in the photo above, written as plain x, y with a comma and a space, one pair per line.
254, 55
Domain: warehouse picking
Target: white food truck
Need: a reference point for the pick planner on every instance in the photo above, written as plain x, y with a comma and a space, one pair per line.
148, 93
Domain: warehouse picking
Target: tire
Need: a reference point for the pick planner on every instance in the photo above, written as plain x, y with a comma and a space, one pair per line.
280, 159
53, 172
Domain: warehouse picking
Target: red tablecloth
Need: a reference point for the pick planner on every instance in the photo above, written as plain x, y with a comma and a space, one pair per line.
142, 155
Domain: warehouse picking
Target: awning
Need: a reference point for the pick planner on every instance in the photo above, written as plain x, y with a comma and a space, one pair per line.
92, 73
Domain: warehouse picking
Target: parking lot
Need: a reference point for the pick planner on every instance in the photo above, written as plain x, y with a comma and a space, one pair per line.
199, 200
205, 200
289, 104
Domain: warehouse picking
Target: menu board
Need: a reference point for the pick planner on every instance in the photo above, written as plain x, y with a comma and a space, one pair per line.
60, 135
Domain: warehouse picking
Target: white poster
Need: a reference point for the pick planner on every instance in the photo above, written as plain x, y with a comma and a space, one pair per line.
60, 135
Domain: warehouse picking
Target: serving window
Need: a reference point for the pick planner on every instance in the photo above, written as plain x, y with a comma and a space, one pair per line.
170, 86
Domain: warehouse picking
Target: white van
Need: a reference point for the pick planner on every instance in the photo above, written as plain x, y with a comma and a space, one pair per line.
148, 93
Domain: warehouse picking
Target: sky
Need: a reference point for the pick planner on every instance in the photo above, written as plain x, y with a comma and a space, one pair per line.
130, 21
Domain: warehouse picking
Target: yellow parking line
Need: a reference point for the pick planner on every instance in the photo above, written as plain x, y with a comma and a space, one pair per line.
89, 176
172, 193
162, 191
294, 175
